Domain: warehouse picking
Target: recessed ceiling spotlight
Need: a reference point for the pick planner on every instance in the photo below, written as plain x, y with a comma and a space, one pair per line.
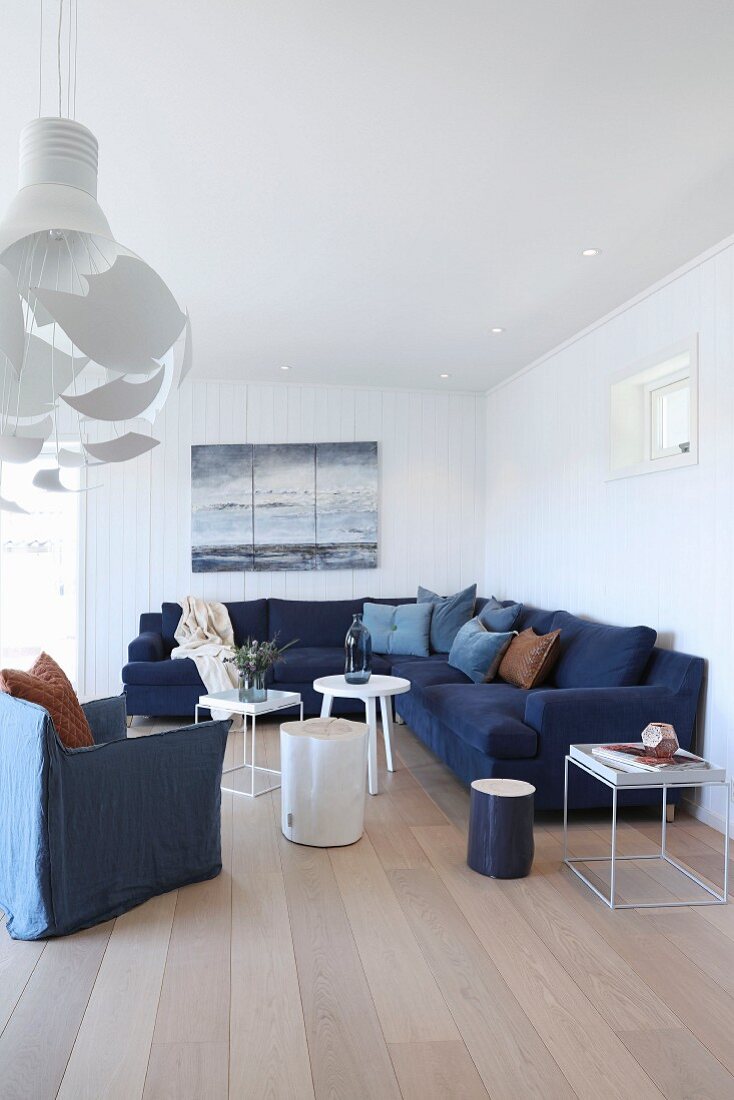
497, 331
591, 252
444, 376
285, 368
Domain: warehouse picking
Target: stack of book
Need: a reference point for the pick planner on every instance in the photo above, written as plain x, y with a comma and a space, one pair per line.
637, 757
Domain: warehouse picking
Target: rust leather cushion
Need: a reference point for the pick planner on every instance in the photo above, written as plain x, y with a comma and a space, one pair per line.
47, 684
530, 658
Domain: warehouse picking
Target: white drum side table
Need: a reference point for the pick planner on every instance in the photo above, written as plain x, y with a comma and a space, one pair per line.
323, 763
230, 701
377, 687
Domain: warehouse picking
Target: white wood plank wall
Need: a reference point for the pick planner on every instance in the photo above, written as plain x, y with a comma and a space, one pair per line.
138, 543
656, 549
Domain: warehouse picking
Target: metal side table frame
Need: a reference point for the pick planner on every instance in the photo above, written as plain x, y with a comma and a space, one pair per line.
715, 898
229, 701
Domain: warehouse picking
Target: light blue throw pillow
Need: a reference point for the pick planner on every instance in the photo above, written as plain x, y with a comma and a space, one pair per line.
494, 616
450, 613
403, 630
477, 652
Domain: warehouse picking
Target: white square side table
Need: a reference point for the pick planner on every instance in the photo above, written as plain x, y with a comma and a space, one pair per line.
230, 701
616, 779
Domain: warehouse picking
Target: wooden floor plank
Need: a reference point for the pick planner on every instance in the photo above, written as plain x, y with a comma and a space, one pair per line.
197, 964
110, 1055
18, 959
582, 1043
437, 1071
607, 980
700, 1003
346, 1046
507, 1050
408, 1002
700, 941
268, 1052
681, 1066
188, 1071
37, 1042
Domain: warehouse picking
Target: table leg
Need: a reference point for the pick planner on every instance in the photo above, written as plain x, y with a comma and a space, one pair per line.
386, 712
252, 768
326, 706
371, 708
196, 715
613, 875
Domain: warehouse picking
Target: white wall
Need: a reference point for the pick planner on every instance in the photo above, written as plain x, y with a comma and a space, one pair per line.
656, 549
138, 542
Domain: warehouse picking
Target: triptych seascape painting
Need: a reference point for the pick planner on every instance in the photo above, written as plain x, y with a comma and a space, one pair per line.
283, 506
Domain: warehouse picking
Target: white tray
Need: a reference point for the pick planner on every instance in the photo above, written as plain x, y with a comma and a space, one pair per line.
668, 777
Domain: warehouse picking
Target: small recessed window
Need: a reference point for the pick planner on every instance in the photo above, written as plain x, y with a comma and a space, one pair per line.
653, 414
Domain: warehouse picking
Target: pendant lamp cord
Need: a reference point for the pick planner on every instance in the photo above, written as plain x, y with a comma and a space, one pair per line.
40, 60
58, 49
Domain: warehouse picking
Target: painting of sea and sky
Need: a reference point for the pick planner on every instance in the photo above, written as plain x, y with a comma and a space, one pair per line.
283, 506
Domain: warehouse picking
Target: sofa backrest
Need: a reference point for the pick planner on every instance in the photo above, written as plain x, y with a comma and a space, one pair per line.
249, 620
315, 622
597, 655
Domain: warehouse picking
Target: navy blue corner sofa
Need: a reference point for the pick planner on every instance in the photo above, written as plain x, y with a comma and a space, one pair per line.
608, 684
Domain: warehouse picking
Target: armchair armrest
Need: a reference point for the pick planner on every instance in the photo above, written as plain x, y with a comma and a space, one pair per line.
107, 718
148, 646
587, 715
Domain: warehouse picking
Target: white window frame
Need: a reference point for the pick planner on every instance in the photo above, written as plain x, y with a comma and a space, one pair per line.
651, 377
655, 393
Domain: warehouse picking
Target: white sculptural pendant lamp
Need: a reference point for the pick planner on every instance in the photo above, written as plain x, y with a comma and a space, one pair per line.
85, 324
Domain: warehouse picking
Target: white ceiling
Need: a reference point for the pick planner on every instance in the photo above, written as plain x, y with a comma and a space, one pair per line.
361, 189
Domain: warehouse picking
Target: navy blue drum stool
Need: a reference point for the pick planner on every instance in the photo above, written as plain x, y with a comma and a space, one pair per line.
501, 842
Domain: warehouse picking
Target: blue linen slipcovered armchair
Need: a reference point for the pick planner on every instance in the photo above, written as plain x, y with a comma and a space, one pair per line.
86, 834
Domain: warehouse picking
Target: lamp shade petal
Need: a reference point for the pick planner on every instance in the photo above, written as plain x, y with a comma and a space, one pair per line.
127, 446
118, 400
12, 332
18, 448
11, 506
128, 318
188, 351
46, 373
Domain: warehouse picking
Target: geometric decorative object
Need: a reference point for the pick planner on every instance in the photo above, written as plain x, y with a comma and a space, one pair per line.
70, 294
661, 740
289, 506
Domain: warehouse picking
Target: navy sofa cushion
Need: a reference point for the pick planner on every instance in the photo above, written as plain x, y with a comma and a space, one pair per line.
312, 622
487, 716
541, 621
304, 664
427, 672
249, 619
162, 673
594, 655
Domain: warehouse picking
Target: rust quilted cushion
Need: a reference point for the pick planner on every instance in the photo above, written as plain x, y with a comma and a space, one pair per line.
530, 658
48, 685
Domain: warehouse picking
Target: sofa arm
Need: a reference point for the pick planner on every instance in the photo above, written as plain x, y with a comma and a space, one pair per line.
588, 715
107, 718
148, 646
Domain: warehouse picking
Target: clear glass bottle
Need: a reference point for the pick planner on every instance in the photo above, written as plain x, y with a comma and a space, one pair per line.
358, 651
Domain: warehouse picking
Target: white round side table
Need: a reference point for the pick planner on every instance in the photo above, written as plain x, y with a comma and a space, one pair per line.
377, 687
322, 763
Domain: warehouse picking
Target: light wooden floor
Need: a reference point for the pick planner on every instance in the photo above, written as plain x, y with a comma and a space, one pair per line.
382, 970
